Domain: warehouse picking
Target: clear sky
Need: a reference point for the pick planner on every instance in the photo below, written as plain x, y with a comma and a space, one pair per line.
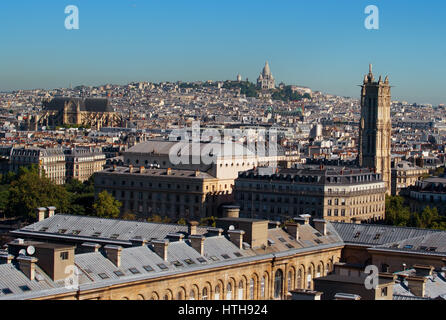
322, 44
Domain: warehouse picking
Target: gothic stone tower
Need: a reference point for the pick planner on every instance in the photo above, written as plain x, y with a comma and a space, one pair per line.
376, 127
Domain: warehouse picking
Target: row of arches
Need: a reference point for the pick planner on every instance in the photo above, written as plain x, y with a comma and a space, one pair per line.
264, 286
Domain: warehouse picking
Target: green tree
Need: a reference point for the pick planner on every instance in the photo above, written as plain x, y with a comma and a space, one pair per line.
155, 219
106, 206
4, 197
32, 190
208, 222
397, 213
429, 217
128, 216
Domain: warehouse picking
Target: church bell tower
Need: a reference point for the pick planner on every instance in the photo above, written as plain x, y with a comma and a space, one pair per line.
376, 127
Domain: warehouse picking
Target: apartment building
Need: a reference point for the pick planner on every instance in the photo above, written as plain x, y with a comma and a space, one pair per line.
335, 194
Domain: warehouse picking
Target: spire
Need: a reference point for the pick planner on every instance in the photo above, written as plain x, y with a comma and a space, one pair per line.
370, 76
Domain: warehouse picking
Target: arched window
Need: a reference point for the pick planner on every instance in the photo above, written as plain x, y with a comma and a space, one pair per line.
319, 271
262, 287
299, 279
192, 295
290, 281
205, 294
229, 292
166, 297
309, 278
180, 296
278, 284
240, 290
217, 293
251, 289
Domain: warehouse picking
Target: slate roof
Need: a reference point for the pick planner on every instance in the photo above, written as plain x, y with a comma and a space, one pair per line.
377, 235
435, 287
164, 148
174, 174
431, 244
142, 263
107, 230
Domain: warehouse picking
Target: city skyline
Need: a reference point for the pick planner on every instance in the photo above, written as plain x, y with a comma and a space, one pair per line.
321, 45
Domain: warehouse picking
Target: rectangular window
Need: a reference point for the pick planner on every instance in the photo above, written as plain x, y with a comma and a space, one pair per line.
64, 255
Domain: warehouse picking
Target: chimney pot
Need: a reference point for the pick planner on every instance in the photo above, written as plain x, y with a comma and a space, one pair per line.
6, 258
175, 237
417, 285
197, 242
114, 254
321, 226
41, 214
213, 232
161, 248
89, 247
51, 211
236, 237
192, 228
28, 266
293, 230
138, 242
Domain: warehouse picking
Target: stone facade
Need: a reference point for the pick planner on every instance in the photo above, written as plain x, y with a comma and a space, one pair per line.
376, 127
335, 194
94, 113
165, 192
266, 80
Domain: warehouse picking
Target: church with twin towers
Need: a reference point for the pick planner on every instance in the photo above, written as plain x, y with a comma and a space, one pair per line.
375, 128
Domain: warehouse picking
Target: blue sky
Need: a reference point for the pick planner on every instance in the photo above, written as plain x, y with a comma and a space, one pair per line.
322, 44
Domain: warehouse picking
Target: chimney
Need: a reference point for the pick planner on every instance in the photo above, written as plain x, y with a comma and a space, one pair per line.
160, 247
89, 247
51, 211
231, 212
6, 258
192, 228
293, 229
130, 169
197, 242
115, 167
321, 226
423, 271
214, 232
274, 225
142, 170
113, 254
197, 173
28, 266
41, 214
175, 237
169, 171
236, 237
417, 286
138, 242
303, 219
